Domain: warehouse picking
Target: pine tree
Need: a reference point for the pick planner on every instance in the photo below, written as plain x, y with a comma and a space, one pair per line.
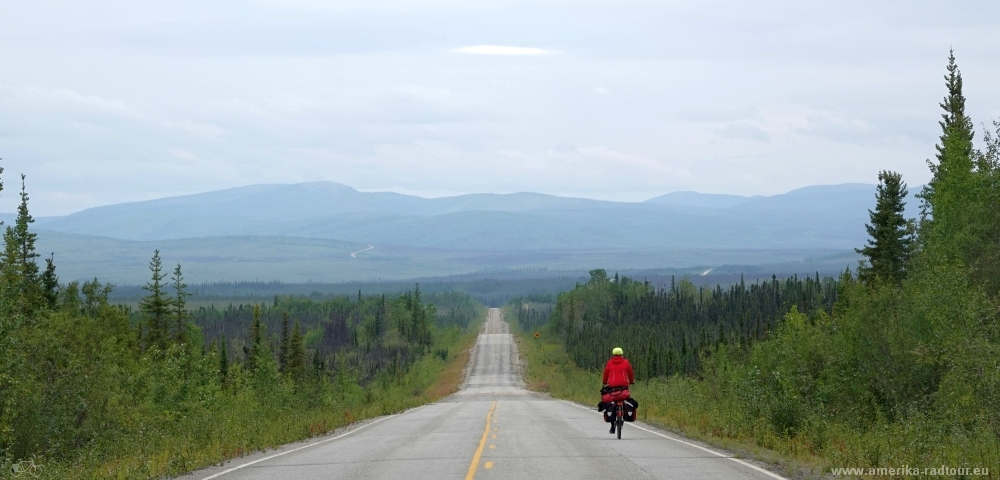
156, 306
889, 247
50, 282
179, 314
945, 212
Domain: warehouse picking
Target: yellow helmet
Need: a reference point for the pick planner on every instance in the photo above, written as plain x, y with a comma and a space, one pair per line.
617, 351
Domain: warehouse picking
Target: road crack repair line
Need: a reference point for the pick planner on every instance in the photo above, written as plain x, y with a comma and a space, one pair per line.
474, 466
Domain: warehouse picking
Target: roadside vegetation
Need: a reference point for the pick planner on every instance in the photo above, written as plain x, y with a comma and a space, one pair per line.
896, 363
89, 389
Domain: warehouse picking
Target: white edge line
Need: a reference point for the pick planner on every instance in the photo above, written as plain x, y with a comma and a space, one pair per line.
224, 472
699, 447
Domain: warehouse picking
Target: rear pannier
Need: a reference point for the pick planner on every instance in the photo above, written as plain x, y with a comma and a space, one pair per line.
631, 405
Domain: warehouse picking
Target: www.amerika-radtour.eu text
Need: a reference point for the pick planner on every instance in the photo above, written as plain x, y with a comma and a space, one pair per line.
906, 470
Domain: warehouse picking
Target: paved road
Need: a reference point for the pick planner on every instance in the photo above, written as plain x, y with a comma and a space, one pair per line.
491, 429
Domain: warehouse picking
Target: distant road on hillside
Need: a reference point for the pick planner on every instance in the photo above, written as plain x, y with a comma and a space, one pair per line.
355, 254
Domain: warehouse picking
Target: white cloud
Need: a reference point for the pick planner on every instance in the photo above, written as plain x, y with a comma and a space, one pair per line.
186, 97
502, 50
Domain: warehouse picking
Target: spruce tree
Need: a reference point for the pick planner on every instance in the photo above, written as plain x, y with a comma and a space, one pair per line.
223, 360
26, 240
179, 314
19, 278
256, 341
50, 282
156, 306
945, 212
283, 350
296, 355
889, 247
380, 313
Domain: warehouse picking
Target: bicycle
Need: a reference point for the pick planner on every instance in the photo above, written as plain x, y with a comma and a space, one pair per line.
620, 405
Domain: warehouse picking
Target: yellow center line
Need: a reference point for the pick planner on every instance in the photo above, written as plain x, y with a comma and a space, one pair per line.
471, 475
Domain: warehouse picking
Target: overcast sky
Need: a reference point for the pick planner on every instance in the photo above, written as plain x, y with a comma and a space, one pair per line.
113, 101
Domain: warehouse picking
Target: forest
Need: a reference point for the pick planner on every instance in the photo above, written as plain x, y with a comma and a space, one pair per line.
678, 324
92, 389
896, 362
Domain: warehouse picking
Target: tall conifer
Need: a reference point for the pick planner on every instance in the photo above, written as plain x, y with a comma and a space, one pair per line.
156, 306
50, 282
891, 234
179, 313
256, 345
283, 350
947, 196
296, 367
19, 271
223, 359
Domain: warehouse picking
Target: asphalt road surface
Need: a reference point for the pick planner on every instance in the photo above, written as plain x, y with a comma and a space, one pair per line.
491, 429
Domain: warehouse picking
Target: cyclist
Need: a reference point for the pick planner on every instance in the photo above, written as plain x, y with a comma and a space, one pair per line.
617, 373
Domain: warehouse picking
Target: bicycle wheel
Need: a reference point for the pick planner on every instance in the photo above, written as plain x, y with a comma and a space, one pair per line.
619, 422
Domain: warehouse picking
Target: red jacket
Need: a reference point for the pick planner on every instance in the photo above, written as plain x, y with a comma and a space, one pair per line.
618, 373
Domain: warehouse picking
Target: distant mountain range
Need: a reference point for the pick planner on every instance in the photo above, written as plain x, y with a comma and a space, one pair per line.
828, 217
308, 231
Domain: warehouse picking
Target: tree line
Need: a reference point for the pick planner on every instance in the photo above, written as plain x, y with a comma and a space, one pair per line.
91, 388
669, 330
895, 363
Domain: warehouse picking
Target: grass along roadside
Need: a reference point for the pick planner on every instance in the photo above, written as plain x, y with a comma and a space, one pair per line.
244, 420
675, 404
451, 376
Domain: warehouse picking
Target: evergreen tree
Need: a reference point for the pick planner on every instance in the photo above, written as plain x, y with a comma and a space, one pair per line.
26, 240
283, 350
50, 282
419, 331
19, 278
223, 360
156, 306
178, 306
380, 314
947, 197
891, 234
296, 367
317, 365
256, 341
